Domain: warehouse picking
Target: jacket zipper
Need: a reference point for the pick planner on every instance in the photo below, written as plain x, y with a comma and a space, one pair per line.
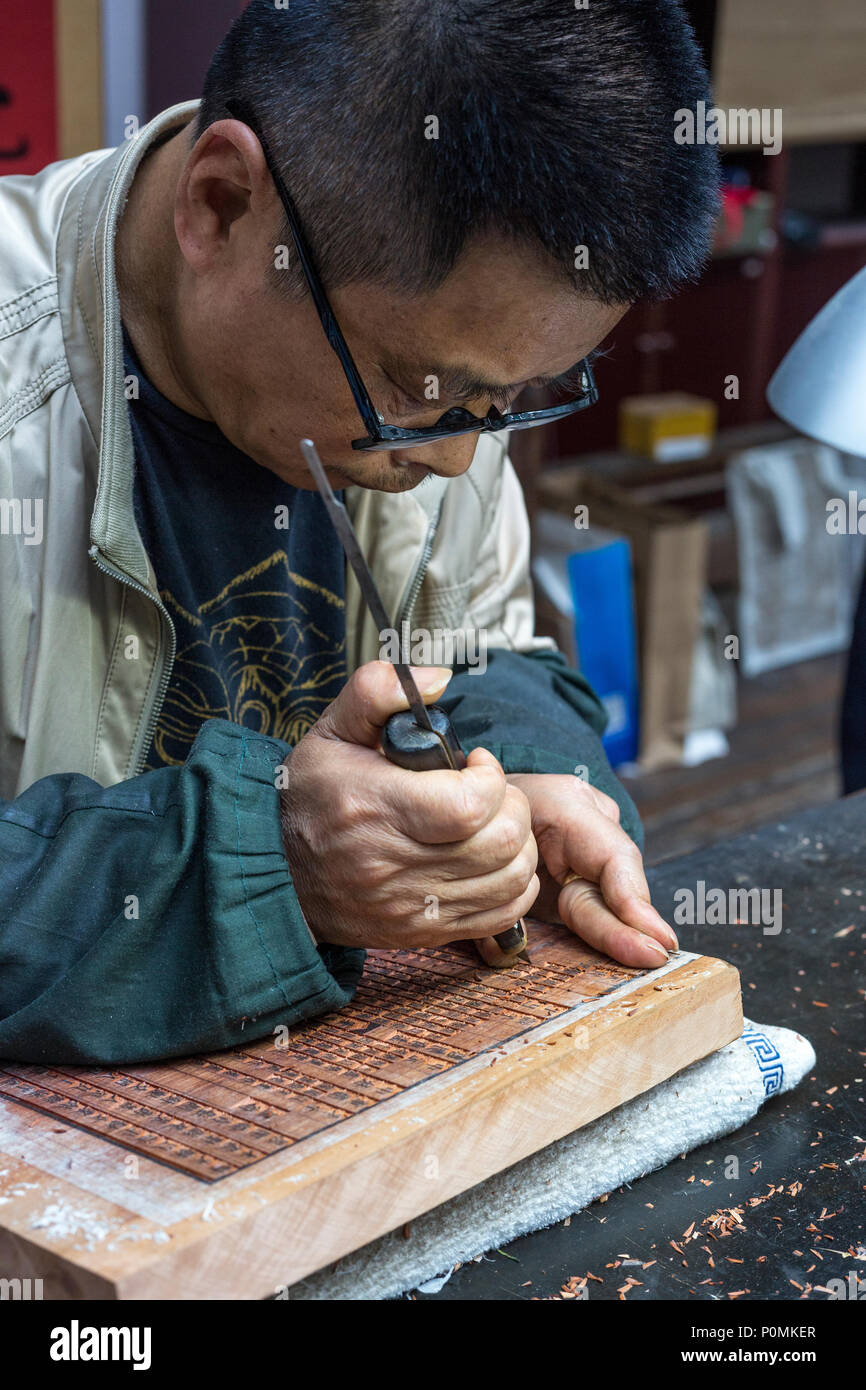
418, 577
118, 574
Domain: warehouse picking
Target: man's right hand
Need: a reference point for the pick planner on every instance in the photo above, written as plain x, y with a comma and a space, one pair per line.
381, 856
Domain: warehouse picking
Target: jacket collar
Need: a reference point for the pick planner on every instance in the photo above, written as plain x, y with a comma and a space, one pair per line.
87, 286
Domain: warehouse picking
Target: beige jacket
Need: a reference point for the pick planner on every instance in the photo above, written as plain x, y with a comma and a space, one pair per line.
75, 694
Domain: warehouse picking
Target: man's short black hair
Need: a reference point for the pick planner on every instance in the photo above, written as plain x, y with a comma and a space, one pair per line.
555, 126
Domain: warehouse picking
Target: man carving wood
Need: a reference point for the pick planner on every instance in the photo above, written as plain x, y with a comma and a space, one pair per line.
200, 834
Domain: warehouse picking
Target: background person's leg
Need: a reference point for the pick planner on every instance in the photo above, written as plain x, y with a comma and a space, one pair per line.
853, 727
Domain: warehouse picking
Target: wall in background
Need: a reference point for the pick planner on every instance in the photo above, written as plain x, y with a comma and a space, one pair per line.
28, 101
181, 38
73, 71
50, 82
124, 36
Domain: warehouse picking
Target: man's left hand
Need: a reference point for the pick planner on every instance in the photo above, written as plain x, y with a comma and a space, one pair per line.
577, 831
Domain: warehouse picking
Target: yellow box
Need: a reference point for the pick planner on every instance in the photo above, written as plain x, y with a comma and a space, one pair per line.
668, 427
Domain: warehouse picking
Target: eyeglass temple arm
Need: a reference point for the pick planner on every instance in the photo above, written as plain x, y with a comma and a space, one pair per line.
242, 112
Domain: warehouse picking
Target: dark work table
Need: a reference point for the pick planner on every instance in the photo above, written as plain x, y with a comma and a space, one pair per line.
814, 1136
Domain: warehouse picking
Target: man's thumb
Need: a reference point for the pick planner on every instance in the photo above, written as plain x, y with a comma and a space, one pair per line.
371, 696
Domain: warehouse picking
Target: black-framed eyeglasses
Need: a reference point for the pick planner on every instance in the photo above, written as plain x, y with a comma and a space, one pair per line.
454, 422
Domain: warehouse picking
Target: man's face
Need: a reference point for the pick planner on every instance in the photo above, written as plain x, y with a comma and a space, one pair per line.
267, 375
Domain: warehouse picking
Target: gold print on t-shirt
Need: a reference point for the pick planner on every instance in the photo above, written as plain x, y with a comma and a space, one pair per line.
252, 654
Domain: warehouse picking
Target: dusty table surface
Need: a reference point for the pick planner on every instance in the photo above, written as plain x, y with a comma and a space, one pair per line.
803, 1154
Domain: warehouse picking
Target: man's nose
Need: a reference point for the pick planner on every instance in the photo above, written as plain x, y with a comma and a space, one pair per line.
447, 457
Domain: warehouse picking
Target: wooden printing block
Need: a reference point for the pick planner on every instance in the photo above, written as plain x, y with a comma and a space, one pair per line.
233, 1175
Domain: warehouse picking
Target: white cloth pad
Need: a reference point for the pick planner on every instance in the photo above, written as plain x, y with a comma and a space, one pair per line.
710, 1098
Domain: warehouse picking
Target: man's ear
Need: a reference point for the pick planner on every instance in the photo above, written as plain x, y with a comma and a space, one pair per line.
224, 180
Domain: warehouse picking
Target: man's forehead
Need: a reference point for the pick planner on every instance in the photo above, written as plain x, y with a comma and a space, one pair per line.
503, 316
541, 362
457, 378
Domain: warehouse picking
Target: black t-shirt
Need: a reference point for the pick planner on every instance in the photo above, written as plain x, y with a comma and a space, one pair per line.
251, 572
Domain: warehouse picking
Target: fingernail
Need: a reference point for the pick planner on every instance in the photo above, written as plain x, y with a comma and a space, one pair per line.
659, 921
431, 679
654, 946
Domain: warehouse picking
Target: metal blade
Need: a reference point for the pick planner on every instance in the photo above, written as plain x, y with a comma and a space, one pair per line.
355, 555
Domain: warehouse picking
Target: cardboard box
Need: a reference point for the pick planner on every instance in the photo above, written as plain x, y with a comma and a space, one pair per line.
667, 427
804, 59
669, 558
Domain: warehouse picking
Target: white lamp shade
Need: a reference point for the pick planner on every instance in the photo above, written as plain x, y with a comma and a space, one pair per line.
820, 386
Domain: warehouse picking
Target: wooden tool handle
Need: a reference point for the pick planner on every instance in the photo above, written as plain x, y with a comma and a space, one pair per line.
408, 745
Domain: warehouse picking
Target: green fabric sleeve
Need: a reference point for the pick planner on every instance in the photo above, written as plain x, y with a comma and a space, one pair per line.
157, 917
536, 714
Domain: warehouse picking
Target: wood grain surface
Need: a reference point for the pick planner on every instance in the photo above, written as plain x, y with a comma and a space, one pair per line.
231, 1175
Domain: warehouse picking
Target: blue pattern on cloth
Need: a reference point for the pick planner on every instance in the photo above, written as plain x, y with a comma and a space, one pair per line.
767, 1057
